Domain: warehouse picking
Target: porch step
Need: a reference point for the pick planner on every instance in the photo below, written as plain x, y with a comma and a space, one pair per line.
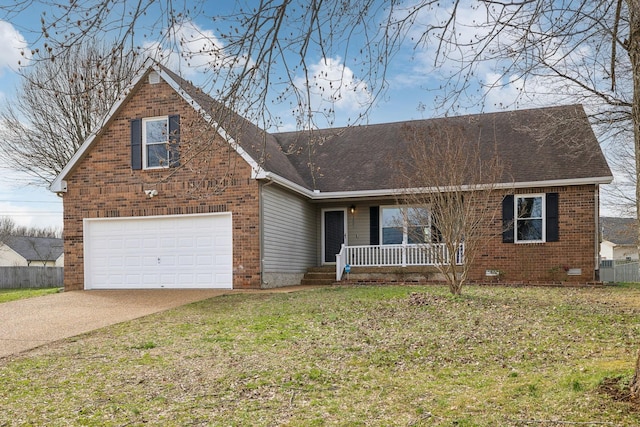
325, 275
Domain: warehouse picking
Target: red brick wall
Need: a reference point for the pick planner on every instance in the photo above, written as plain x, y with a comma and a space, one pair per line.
544, 262
212, 178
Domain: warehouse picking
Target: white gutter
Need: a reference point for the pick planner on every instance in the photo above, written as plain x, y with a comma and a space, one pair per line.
318, 195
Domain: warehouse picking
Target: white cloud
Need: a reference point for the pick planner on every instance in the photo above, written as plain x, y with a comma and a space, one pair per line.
191, 49
13, 45
333, 85
430, 58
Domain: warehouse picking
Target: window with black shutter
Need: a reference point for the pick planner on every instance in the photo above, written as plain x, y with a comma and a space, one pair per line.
530, 218
155, 142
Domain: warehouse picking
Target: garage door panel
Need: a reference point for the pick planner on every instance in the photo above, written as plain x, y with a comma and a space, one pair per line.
204, 260
187, 251
186, 260
166, 242
115, 261
221, 260
132, 261
150, 242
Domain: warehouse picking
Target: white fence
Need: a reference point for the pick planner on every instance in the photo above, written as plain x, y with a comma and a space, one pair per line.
31, 277
619, 271
394, 256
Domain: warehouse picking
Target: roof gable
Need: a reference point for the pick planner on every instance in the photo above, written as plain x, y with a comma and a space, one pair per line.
257, 147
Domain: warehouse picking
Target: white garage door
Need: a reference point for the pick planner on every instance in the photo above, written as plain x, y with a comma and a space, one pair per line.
182, 251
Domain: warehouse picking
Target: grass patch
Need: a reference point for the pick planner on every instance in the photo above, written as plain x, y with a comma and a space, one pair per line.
380, 355
7, 295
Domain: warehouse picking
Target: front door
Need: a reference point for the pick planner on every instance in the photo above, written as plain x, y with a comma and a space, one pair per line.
334, 234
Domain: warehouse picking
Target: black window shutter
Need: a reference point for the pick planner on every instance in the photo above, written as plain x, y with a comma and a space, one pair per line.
174, 141
551, 207
374, 225
508, 223
136, 144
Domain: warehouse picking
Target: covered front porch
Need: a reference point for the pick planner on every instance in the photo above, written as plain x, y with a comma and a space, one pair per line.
395, 255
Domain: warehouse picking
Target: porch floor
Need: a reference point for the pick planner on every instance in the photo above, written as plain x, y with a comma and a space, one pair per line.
326, 275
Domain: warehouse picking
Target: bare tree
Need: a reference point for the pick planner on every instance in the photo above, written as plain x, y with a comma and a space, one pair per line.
453, 197
8, 228
58, 105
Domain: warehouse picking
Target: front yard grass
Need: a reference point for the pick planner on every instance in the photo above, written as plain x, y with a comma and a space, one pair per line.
7, 295
379, 355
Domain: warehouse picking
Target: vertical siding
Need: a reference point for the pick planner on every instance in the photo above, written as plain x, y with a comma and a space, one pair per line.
290, 230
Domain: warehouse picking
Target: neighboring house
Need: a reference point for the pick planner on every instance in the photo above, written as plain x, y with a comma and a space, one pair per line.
619, 238
255, 209
21, 251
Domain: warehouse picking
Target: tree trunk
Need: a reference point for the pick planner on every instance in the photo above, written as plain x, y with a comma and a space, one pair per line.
635, 381
634, 54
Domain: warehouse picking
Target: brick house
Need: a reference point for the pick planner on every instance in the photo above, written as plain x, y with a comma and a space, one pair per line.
176, 191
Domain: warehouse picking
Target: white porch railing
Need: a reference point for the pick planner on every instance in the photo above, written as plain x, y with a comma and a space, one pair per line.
394, 256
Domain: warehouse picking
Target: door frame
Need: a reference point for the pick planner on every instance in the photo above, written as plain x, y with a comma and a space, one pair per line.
322, 229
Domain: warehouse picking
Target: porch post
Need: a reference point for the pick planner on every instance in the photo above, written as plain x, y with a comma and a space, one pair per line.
404, 254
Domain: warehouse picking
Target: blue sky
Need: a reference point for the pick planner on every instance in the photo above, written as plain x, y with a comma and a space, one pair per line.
412, 85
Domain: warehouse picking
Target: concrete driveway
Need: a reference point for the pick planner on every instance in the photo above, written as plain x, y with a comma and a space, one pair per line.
32, 322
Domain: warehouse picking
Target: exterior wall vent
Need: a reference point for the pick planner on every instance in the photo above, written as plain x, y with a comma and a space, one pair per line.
154, 78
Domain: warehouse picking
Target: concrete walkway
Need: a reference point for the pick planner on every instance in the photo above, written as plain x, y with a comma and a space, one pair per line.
32, 322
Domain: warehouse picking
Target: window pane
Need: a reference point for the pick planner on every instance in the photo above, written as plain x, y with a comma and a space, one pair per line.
392, 217
392, 221
530, 229
417, 216
418, 235
392, 235
157, 155
156, 131
530, 207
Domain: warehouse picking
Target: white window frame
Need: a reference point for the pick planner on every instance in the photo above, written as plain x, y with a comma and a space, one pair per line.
405, 224
542, 217
145, 144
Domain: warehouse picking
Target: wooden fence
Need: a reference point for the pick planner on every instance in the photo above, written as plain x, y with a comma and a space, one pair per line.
31, 277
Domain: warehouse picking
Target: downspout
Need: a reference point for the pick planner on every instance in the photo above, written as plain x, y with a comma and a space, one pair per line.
596, 252
262, 184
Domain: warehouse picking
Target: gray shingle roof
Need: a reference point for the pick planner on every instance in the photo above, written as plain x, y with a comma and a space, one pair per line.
534, 145
36, 248
544, 144
621, 231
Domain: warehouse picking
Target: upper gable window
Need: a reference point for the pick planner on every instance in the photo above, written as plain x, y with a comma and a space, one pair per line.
155, 142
